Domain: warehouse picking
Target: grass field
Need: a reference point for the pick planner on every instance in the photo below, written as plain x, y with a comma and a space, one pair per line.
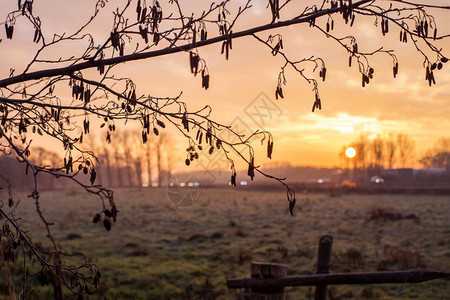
159, 251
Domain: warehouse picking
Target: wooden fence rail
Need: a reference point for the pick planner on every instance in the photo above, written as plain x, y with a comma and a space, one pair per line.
412, 276
270, 279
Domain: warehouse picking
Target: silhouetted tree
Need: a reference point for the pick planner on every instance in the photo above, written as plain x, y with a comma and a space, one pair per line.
35, 99
377, 152
163, 157
47, 159
391, 151
94, 147
134, 151
170, 156
124, 140
106, 159
148, 161
362, 147
118, 163
438, 156
405, 146
344, 160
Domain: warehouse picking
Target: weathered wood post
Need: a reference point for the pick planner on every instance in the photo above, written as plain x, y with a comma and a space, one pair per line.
323, 264
267, 270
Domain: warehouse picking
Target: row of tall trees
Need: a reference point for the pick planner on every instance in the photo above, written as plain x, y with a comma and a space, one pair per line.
129, 163
391, 151
395, 151
125, 163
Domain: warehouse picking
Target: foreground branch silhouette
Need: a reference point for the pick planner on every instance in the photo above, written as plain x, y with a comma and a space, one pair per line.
53, 94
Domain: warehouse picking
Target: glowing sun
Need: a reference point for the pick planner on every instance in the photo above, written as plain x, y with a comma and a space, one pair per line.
350, 152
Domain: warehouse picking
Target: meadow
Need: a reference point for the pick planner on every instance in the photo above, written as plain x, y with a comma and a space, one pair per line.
158, 250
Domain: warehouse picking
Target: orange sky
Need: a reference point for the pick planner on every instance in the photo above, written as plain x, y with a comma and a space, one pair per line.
386, 105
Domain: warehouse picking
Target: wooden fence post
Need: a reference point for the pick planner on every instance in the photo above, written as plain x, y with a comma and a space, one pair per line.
267, 270
323, 264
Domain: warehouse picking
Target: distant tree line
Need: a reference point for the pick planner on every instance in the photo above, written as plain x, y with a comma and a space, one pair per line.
394, 151
438, 156
125, 163
130, 163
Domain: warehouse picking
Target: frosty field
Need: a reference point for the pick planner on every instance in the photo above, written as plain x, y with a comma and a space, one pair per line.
156, 250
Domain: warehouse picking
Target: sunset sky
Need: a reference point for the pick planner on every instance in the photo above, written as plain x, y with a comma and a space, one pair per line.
387, 105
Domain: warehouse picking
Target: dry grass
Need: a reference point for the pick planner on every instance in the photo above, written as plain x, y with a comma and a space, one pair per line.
158, 251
